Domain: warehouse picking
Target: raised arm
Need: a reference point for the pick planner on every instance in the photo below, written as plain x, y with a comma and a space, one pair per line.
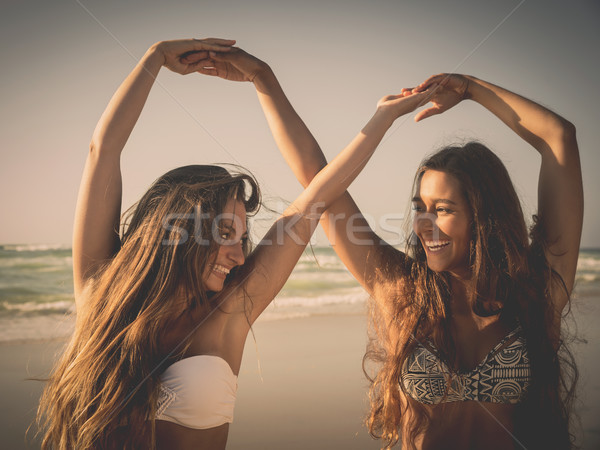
560, 190
96, 227
358, 250
280, 249
282, 246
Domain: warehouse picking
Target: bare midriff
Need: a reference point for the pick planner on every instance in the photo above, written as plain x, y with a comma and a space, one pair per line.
465, 425
169, 435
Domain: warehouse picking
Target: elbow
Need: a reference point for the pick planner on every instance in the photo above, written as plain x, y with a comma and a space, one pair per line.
95, 150
101, 147
99, 151
563, 137
562, 130
96, 145
567, 130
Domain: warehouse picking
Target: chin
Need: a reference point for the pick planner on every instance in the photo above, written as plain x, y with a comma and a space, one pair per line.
218, 288
215, 284
436, 267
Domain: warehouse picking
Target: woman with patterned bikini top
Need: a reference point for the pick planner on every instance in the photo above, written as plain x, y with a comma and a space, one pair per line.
466, 350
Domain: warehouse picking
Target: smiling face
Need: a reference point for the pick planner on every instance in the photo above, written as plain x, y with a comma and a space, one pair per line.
230, 233
442, 222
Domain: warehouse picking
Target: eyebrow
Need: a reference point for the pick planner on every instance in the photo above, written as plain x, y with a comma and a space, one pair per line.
437, 200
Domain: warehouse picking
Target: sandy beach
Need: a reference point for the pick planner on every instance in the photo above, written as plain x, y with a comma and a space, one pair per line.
309, 392
312, 393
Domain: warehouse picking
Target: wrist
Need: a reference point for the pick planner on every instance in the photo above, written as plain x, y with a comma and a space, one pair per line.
264, 73
470, 91
156, 53
264, 76
386, 115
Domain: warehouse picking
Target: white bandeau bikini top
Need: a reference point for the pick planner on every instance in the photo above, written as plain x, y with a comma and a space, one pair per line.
197, 392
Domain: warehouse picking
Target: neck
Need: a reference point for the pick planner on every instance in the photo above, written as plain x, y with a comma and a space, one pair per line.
460, 300
461, 303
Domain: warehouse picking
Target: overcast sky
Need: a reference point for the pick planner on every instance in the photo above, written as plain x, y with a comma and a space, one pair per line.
63, 59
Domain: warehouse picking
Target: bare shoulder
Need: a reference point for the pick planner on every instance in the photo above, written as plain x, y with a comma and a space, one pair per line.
390, 271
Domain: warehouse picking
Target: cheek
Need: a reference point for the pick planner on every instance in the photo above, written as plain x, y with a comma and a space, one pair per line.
457, 229
461, 232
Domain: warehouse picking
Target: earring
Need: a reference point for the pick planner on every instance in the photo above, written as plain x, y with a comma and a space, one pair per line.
471, 252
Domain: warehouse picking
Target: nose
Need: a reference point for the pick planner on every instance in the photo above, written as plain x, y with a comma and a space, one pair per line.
235, 254
424, 222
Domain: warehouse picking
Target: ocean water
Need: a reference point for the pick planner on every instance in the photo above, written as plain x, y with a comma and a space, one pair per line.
36, 290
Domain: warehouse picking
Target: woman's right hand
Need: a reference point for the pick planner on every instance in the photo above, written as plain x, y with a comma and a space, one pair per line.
185, 56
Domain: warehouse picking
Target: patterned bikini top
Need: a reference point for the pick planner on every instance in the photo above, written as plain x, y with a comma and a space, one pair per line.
502, 377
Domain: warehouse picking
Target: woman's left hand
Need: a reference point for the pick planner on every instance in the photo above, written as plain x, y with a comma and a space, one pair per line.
450, 90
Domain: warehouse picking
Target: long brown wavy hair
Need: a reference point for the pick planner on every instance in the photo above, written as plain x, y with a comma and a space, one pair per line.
104, 389
512, 279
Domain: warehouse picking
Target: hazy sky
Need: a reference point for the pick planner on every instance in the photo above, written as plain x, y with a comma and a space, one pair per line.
63, 59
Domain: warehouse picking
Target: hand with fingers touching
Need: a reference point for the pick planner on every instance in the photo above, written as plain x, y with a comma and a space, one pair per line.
185, 56
233, 65
450, 90
407, 101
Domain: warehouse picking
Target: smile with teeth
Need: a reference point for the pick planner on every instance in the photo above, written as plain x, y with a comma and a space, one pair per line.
436, 246
221, 270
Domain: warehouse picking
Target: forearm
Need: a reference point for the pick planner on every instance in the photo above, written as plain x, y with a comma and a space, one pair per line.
293, 138
333, 180
123, 110
537, 125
